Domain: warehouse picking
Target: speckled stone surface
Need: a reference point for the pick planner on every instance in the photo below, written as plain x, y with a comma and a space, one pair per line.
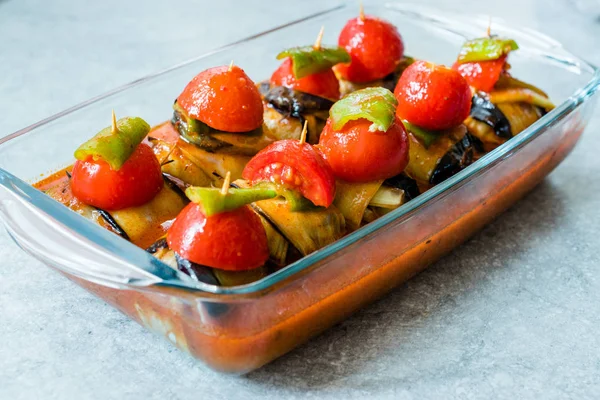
513, 313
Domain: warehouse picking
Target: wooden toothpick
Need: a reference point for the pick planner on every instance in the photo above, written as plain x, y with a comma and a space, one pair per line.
113, 128
489, 28
230, 66
225, 187
303, 134
317, 44
361, 13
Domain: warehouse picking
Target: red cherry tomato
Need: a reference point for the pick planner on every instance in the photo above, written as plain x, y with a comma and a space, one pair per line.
481, 75
357, 154
297, 166
232, 240
223, 99
375, 47
432, 96
137, 182
323, 84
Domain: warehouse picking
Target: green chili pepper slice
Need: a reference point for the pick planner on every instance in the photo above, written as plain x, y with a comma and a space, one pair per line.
115, 147
214, 202
308, 60
375, 104
426, 136
485, 49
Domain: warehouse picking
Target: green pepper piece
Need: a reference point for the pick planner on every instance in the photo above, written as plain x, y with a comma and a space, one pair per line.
308, 60
115, 146
294, 199
486, 48
375, 104
214, 202
426, 136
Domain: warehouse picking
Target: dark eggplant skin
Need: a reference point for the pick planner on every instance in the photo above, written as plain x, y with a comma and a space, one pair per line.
197, 272
113, 224
202, 140
457, 158
485, 111
406, 183
160, 244
108, 219
293, 103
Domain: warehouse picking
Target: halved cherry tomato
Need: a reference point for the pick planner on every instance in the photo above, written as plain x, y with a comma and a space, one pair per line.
482, 75
432, 96
323, 84
297, 166
224, 98
375, 47
357, 154
232, 240
137, 182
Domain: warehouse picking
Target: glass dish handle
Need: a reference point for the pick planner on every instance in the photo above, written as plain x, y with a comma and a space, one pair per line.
72, 244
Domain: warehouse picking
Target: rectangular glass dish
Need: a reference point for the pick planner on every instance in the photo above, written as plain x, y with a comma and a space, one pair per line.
238, 329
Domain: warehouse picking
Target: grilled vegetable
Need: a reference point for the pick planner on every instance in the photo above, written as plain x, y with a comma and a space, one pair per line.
278, 245
143, 224
449, 154
388, 197
404, 183
288, 109
352, 200
175, 164
493, 124
308, 231
485, 49
212, 140
215, 201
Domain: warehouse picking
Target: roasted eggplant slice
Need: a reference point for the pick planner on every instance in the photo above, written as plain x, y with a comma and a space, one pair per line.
214, 163
406, 183
287, 109
143, 224
307, 231
352, 200
446, 156
493, 124
174, 163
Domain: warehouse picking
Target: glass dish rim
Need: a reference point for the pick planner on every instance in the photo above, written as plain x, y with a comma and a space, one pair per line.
173, 280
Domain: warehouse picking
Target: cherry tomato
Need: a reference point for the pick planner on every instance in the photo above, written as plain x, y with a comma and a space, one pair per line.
375, 47
323, 84
137, 182
357, 154
232, 240
297, 166
432, 96
481, 75
224, 99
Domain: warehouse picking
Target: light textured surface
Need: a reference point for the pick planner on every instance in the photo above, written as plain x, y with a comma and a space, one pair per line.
513, 313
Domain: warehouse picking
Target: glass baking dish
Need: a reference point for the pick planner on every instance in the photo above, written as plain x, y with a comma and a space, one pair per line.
238, 329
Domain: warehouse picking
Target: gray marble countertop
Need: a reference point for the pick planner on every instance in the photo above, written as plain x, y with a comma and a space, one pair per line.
513, 313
